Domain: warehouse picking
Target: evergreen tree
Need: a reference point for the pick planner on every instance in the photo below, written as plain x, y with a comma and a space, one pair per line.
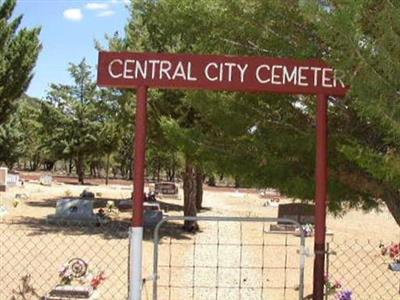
71, 119
11, 143
19, 50
362, 39
269, 140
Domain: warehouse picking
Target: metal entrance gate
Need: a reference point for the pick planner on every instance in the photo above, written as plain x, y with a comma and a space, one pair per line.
230, 258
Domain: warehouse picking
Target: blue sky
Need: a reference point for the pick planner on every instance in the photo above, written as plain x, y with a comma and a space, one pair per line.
69, 29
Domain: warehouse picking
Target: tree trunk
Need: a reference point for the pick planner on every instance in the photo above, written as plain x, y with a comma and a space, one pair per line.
80, 170
70, 167
172, 178
392, 201
211, 180
199, 188
107, 167
158, 171
237, 182
189, 197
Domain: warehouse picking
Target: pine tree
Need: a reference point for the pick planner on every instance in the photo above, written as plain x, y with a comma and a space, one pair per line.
19, 50
362, 39
71, 122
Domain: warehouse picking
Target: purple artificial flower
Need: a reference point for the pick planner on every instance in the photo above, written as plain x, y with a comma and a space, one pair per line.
344, 295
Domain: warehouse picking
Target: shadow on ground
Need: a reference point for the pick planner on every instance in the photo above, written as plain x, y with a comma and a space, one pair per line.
117, 228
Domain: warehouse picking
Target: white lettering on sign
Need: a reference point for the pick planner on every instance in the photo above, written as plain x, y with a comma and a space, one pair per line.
327, 80
155, 69
242, 70
258, 76
275, 78
142, 69
128, 72
302, 79
290, 77
165, 67
207, 71
225, 71
229, 72
316, 71
110, 66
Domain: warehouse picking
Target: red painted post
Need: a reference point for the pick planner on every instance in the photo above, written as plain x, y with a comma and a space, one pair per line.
140, 152
321, 179
136, 231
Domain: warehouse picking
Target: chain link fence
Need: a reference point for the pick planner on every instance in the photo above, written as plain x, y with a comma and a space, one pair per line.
32, 253
359, 268
226, 260
231, 258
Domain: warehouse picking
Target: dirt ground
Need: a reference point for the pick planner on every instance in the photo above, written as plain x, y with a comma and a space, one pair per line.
223, 261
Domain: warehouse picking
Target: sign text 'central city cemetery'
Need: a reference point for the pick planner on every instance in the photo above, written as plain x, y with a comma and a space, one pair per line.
217, 72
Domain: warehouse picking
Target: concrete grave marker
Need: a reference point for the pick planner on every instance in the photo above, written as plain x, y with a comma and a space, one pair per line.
46, 180
299, 212
74, 210
13, 179
166, 188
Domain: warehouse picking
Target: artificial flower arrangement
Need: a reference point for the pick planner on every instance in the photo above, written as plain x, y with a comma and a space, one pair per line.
308, 230
336, 288
77, 272
393, 251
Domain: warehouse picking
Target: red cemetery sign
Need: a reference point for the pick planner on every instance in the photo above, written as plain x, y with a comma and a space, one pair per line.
230, 73
217, 72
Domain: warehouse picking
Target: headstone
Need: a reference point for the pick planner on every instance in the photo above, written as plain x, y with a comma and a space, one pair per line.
75, 283
125, 204
86, 194
71, 291
166, 188
152, 215
46, 180
3, 212
74, 210
12, 178
299, 212
3, 179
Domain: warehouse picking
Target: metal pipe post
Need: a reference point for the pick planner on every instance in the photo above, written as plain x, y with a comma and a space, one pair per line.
136, 231
321, 179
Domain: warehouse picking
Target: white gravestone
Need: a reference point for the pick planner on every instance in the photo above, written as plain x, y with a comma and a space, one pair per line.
74, 210
46, 180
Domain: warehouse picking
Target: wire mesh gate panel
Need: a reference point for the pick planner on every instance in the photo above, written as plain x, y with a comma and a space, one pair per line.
230, 258
32, 253
360, 268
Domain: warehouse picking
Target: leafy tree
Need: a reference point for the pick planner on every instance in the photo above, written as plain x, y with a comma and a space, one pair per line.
19, 139
271, 141
19, 50
29, 126
11, 146
71, 122
362, 39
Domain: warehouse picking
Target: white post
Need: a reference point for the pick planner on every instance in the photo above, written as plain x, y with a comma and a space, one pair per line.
135, 263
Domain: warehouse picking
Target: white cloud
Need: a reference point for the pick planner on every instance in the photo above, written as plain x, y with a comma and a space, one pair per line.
120, 1
106, 13
96, 6
73, 14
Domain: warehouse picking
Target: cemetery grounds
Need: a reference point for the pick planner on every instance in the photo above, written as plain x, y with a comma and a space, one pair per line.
223, 261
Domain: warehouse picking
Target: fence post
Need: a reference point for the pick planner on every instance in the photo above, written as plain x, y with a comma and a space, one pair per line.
327, 267
136, 231
321, 180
